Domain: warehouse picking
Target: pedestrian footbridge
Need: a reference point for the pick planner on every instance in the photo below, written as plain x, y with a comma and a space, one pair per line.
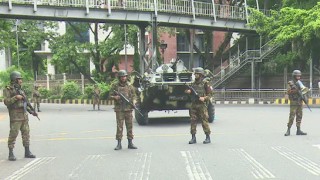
175, 13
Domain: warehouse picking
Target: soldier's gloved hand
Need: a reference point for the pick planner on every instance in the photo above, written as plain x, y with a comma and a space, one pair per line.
34, 113
116, 97
19, 97
137, 105
202, 99
188, 91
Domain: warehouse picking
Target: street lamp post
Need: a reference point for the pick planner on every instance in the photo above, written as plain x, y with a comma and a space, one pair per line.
163, 47
125, 47
17, 43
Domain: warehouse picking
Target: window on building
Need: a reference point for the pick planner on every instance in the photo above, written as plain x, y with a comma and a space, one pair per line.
182, 43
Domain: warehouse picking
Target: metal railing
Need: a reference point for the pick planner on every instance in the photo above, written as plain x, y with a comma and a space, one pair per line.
184, 7
260, 94
239, 61
244, 94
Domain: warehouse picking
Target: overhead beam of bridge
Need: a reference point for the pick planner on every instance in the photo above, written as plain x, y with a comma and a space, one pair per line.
119, 16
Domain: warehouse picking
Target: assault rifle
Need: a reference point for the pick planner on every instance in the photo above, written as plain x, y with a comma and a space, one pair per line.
302, 90
124, 98
194, 93
26, 102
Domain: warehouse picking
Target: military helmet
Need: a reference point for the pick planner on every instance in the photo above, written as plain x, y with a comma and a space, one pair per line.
296, 73
15, 75
199, 70
122, 73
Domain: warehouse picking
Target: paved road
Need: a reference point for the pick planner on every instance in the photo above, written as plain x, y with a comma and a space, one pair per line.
72, 142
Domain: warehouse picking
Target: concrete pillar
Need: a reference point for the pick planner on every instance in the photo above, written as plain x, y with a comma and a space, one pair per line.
64, 78
82, 83
48, 85
142, 47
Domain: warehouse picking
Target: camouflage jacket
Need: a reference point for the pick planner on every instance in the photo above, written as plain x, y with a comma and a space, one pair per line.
15, 106
36, 94
204, 89
96, 93
128, 91
293, 91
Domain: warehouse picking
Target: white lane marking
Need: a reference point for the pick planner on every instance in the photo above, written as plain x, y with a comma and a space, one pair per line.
259, 171
79, 169
317, 145
36, 163
195, 166
141, 167
299, 160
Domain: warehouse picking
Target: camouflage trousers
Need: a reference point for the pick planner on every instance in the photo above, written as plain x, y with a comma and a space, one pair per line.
199, 113
36, 102
295, 111
96, 101
124, 116
15, 126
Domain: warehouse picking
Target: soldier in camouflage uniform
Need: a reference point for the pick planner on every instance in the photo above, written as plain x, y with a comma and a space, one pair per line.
36, 98
295, 103
123, 109
198, 110
96, 97
18, 115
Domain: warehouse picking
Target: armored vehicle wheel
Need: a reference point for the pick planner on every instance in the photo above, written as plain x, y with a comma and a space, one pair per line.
142, 120
211, 112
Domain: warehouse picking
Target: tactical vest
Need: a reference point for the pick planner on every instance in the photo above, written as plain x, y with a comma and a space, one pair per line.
294, 96
128, 91
16, 109
200, 88
36, 93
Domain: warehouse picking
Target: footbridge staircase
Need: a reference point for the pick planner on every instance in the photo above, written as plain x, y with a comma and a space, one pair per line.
241, 61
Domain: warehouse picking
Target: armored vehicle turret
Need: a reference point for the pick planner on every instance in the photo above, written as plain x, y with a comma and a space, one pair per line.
164, 89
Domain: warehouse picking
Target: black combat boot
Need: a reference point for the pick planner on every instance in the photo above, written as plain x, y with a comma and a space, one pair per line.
118, 147
131, 145
27, 153
299, 132
288, 132
193, 139
11, 155
207, 140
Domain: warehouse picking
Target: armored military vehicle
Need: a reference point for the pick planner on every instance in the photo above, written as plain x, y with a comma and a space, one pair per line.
164, 90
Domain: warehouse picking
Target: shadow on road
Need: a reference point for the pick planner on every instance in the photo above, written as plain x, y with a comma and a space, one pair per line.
156, 121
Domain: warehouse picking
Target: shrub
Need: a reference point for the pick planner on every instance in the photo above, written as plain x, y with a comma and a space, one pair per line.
88, 91
45, 93
70, 90
105, 88
54, 97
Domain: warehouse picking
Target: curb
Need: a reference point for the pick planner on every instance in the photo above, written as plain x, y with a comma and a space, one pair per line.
71, 101
311, 101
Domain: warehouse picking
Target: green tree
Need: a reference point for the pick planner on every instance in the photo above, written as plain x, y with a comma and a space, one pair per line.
5, 76
296, 29
104, 52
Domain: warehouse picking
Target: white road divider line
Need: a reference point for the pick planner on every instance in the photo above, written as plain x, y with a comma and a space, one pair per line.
299, 160
258, 170
79, 169
195, 166
36, 163
141, 167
